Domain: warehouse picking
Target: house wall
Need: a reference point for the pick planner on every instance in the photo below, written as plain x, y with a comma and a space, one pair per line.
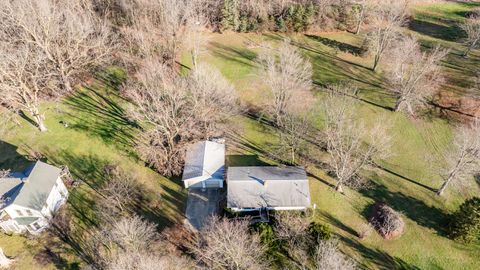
297, 208
11, 210
56, 198
201, 183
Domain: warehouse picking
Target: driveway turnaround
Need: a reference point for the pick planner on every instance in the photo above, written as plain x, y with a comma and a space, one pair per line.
202, 204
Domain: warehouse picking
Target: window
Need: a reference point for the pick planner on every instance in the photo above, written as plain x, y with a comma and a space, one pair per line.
35, 226
29, 212
19, 212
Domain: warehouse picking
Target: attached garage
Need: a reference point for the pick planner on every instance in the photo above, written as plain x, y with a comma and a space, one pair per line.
204, 165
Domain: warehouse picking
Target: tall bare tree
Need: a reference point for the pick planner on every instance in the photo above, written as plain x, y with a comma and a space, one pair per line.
177, 110
292, 134
462, 158
71, 37
160, 27
351, 144
387, 18
472, 29
414, 76
363, 9
25, 80
287, 74
119, 194
228, 244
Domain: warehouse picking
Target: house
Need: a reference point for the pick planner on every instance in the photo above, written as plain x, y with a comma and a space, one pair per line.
29, 199
270, 188
204, 165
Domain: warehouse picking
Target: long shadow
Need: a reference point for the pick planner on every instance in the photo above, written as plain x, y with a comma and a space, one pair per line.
389, 108
448, 33
380, 259
27, 118
344, 47
240, 55
10, 159
415, 209
370, 257
100, 115
406, 178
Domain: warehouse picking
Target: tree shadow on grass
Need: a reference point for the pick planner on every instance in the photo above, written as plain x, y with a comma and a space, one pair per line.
344, 47
100, 115
10, 159
448, 33
377, 257
240, 55
413, 208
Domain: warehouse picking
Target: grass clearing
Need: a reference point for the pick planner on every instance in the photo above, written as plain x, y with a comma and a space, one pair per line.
406, 181
98, 134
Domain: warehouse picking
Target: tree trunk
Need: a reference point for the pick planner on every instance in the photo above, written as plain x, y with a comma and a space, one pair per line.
375, 63
398, 103
360, 21
339, 188
465, 54
39, 120
443, 187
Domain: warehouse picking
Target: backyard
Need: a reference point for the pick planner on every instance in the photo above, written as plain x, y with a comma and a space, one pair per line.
90, 130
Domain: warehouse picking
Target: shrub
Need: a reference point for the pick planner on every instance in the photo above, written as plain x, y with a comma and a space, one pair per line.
265, 230
387, 221
319, 231
465, 223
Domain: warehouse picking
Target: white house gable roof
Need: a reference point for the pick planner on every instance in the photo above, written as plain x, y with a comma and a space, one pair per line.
33, 189
204, 160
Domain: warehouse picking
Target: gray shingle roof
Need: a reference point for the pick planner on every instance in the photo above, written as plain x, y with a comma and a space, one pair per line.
257, 187
204, 160
34, 190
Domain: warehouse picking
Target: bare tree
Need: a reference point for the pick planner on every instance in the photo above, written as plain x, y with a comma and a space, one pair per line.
462, 157
328, 257
387, 18
292, 134
133, 234
414, 76
159, 27
228, 244
363, 9
177, 111
287, 74
25, 80
70, 37
120, 192
472, 29
352, 145
147, 261
291, 228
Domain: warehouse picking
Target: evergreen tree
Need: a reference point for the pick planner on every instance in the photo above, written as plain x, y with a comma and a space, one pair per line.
465, 223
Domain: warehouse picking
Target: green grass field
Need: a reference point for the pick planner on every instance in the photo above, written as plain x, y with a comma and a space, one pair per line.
99, 134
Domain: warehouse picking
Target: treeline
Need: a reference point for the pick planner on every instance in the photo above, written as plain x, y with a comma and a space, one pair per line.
262, 15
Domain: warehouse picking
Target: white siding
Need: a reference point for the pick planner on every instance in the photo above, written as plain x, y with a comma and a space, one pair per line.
56, 198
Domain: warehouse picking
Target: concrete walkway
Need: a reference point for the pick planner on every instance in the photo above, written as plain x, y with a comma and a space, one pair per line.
201, 205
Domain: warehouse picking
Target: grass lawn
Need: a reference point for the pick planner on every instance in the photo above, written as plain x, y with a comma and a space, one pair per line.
99, 134
407, 180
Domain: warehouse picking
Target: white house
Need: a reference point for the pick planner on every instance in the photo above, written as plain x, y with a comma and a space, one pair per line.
270, 188
29, 199
204, 165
